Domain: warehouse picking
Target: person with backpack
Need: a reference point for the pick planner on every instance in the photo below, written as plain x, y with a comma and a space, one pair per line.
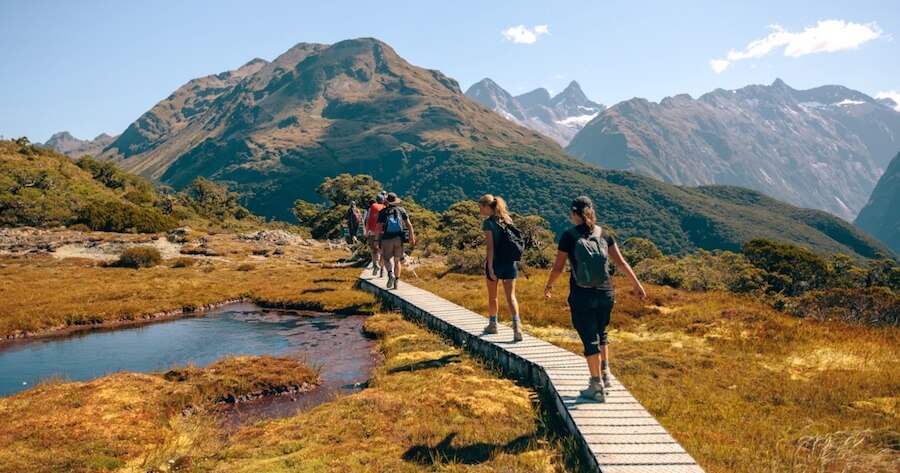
371, 224
588, 248
504, 245
353, 220
391, 231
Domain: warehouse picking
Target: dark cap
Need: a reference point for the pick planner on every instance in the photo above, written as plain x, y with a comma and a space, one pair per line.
581, 203
379, 198
393, 199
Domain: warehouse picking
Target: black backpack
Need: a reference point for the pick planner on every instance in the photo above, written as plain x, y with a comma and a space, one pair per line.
510, 246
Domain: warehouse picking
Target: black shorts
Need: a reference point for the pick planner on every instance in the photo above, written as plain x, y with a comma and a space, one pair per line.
503, 271
591, 311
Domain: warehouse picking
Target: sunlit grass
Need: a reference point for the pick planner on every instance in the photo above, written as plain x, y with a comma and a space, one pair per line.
130, 419
744, 388
40, 293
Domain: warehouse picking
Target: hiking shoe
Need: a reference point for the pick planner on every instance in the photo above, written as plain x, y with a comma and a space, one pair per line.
594, 391
606, 376
396, 281
517, 332
390, 283
381, 275
491, 328
374, 269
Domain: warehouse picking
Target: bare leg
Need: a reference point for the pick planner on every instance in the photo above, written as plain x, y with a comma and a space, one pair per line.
593, 362
509, 288
604, 352
493, 305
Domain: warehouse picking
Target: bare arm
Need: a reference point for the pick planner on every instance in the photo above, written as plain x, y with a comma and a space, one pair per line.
620, 262
489, 257
412, 232
558, 267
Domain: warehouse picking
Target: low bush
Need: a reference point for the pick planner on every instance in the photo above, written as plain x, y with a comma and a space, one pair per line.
113, 216
246, 267
469, 261
873, 306
183, 262
139, 257
703, 271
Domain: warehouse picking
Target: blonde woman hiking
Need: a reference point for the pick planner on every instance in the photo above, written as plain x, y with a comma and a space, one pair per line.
588, 247
504, 246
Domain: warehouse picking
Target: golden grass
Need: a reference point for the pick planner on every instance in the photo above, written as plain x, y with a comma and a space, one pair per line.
40, 292
130, 419
744, 388
428, 408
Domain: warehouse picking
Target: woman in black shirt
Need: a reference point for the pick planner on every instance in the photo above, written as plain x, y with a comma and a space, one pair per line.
591, 306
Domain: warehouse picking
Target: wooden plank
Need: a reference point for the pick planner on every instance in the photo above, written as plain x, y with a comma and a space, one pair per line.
619, 435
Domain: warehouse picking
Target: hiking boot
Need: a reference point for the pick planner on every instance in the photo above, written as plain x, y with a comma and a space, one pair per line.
606, 376
396, 281
491, 328
374, 269
381, 275
594, 391
390, 283
517, 332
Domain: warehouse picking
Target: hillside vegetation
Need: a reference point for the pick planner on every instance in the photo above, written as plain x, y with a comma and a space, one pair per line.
274, 130
40, 187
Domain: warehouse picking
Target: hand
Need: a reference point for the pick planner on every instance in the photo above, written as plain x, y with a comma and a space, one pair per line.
548, 291
492, 276
639, 291
412, 241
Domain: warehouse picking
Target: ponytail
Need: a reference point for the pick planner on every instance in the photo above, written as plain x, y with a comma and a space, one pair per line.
589, 217
498, 205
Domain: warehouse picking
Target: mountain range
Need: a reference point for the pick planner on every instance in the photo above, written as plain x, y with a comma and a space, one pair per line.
822, 148
560, 117
73, 147
273, 131
880, 216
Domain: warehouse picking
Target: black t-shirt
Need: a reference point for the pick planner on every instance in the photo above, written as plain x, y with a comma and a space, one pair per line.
491, 224
382, 219
567, 244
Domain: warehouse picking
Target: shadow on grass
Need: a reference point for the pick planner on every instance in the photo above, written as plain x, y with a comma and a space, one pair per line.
472, 454
317, 290
428, 364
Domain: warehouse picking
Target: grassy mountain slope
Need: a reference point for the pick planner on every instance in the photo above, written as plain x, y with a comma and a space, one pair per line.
41, 187
357, 107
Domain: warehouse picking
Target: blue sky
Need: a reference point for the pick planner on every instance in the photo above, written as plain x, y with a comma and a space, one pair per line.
95, 66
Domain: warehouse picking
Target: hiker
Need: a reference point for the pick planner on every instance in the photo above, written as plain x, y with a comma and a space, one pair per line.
353, 220
499, 264
391, 231
371, 222
588, 248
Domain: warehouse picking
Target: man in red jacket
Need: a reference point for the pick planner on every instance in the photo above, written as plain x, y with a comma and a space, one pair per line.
371, 225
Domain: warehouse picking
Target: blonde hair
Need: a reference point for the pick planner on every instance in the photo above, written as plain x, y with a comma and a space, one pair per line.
498, 205
589, 217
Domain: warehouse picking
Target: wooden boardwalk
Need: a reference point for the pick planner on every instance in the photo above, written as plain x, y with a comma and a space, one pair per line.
618, 436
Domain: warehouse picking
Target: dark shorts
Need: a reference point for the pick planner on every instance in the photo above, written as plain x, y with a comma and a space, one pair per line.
591, 311
503, 271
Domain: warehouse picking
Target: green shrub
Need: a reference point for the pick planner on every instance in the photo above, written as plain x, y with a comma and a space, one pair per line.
469, 261
139, 257
636, 249
703, 271
873, 306
114, 216
794, 269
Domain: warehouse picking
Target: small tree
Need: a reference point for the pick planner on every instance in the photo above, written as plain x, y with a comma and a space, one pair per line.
638, 249
797, 269
342, 189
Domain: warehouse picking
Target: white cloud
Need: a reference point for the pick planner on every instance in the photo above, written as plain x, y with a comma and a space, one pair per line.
559, 76
890, 94
522, 35
827, 36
